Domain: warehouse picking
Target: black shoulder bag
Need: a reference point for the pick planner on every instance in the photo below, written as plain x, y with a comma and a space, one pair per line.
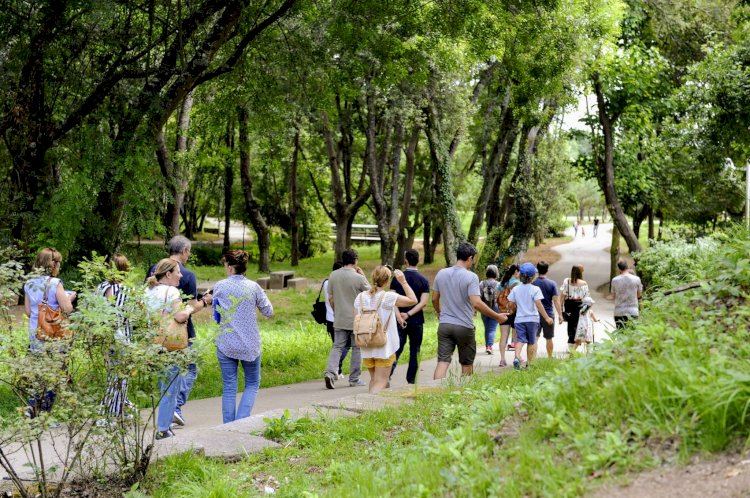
319, 307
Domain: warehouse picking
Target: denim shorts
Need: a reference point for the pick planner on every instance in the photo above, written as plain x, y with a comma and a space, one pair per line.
526, 332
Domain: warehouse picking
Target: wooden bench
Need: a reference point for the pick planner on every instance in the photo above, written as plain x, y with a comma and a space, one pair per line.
297, 283
279, 279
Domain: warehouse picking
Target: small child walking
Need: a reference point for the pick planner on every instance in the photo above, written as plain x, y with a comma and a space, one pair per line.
585, 329
528, 299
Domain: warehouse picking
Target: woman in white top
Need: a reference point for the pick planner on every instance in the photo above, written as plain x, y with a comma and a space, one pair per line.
379, 361
572, 292
162, 296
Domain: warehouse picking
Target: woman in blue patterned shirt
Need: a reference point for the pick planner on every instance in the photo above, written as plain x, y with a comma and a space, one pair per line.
235, 301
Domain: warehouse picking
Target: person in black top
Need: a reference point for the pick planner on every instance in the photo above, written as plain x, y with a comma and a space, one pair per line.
596, 226
179, 248
411, 317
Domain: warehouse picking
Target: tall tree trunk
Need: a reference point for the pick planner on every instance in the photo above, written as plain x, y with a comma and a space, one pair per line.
174, 171
639, 217
607, 169
405, 233
428, 245
347, 198
182, 176
228, 184
393, 222
493, 171
294, 204
375, 164
251, 206
444, 198
651, 224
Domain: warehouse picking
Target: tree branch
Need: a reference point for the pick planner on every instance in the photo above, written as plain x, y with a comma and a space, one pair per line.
257, 29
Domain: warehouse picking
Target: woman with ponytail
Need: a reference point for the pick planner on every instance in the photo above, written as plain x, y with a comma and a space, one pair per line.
379, 360
163, 297
235, 300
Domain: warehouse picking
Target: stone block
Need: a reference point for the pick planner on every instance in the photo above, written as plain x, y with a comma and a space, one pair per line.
279, 279
297, 283
264, 282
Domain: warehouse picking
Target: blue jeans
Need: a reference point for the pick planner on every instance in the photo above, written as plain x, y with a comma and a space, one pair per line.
186, 385
490, 327
229, 368
170, 382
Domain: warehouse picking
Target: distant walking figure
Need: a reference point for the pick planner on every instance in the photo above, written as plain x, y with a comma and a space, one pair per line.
627, 289
575, 229
573, 290
596, 226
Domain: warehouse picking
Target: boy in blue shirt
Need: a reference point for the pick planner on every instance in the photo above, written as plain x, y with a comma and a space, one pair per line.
528, 299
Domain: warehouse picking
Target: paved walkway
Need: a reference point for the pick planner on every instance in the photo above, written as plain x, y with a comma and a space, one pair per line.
204, 430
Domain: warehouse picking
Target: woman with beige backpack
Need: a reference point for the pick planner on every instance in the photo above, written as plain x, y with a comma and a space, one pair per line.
375, 324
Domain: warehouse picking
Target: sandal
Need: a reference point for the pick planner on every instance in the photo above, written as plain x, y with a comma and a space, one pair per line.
503, 364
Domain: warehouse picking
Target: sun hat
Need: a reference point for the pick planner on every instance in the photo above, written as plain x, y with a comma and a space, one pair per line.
527, 270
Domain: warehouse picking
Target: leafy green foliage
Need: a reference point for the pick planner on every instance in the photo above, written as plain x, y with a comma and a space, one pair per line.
666, 264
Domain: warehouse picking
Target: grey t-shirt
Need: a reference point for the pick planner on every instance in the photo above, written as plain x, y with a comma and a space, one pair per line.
626, 289
345, 284
455, 285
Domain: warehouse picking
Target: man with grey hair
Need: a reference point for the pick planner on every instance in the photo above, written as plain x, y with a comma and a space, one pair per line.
179, 248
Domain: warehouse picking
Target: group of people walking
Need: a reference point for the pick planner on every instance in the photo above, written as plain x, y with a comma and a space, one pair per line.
525, 304
171, 290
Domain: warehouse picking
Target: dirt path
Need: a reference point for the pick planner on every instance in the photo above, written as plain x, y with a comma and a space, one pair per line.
726, 476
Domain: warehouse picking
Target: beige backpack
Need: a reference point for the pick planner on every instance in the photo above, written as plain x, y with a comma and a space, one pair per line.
369, 331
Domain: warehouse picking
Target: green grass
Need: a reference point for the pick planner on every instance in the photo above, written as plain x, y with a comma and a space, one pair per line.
676, 383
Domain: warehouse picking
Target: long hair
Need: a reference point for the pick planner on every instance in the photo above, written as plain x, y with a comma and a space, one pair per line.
380, 276
162, 268
512, 269
576, 273
49, 260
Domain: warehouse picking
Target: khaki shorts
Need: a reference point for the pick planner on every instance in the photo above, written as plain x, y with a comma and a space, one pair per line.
379, 362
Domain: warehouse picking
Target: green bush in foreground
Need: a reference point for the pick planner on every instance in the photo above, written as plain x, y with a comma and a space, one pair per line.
675, 383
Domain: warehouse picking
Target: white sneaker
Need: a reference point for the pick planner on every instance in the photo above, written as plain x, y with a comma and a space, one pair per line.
340, 376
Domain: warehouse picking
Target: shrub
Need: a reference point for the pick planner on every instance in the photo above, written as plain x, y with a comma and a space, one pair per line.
666, 264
